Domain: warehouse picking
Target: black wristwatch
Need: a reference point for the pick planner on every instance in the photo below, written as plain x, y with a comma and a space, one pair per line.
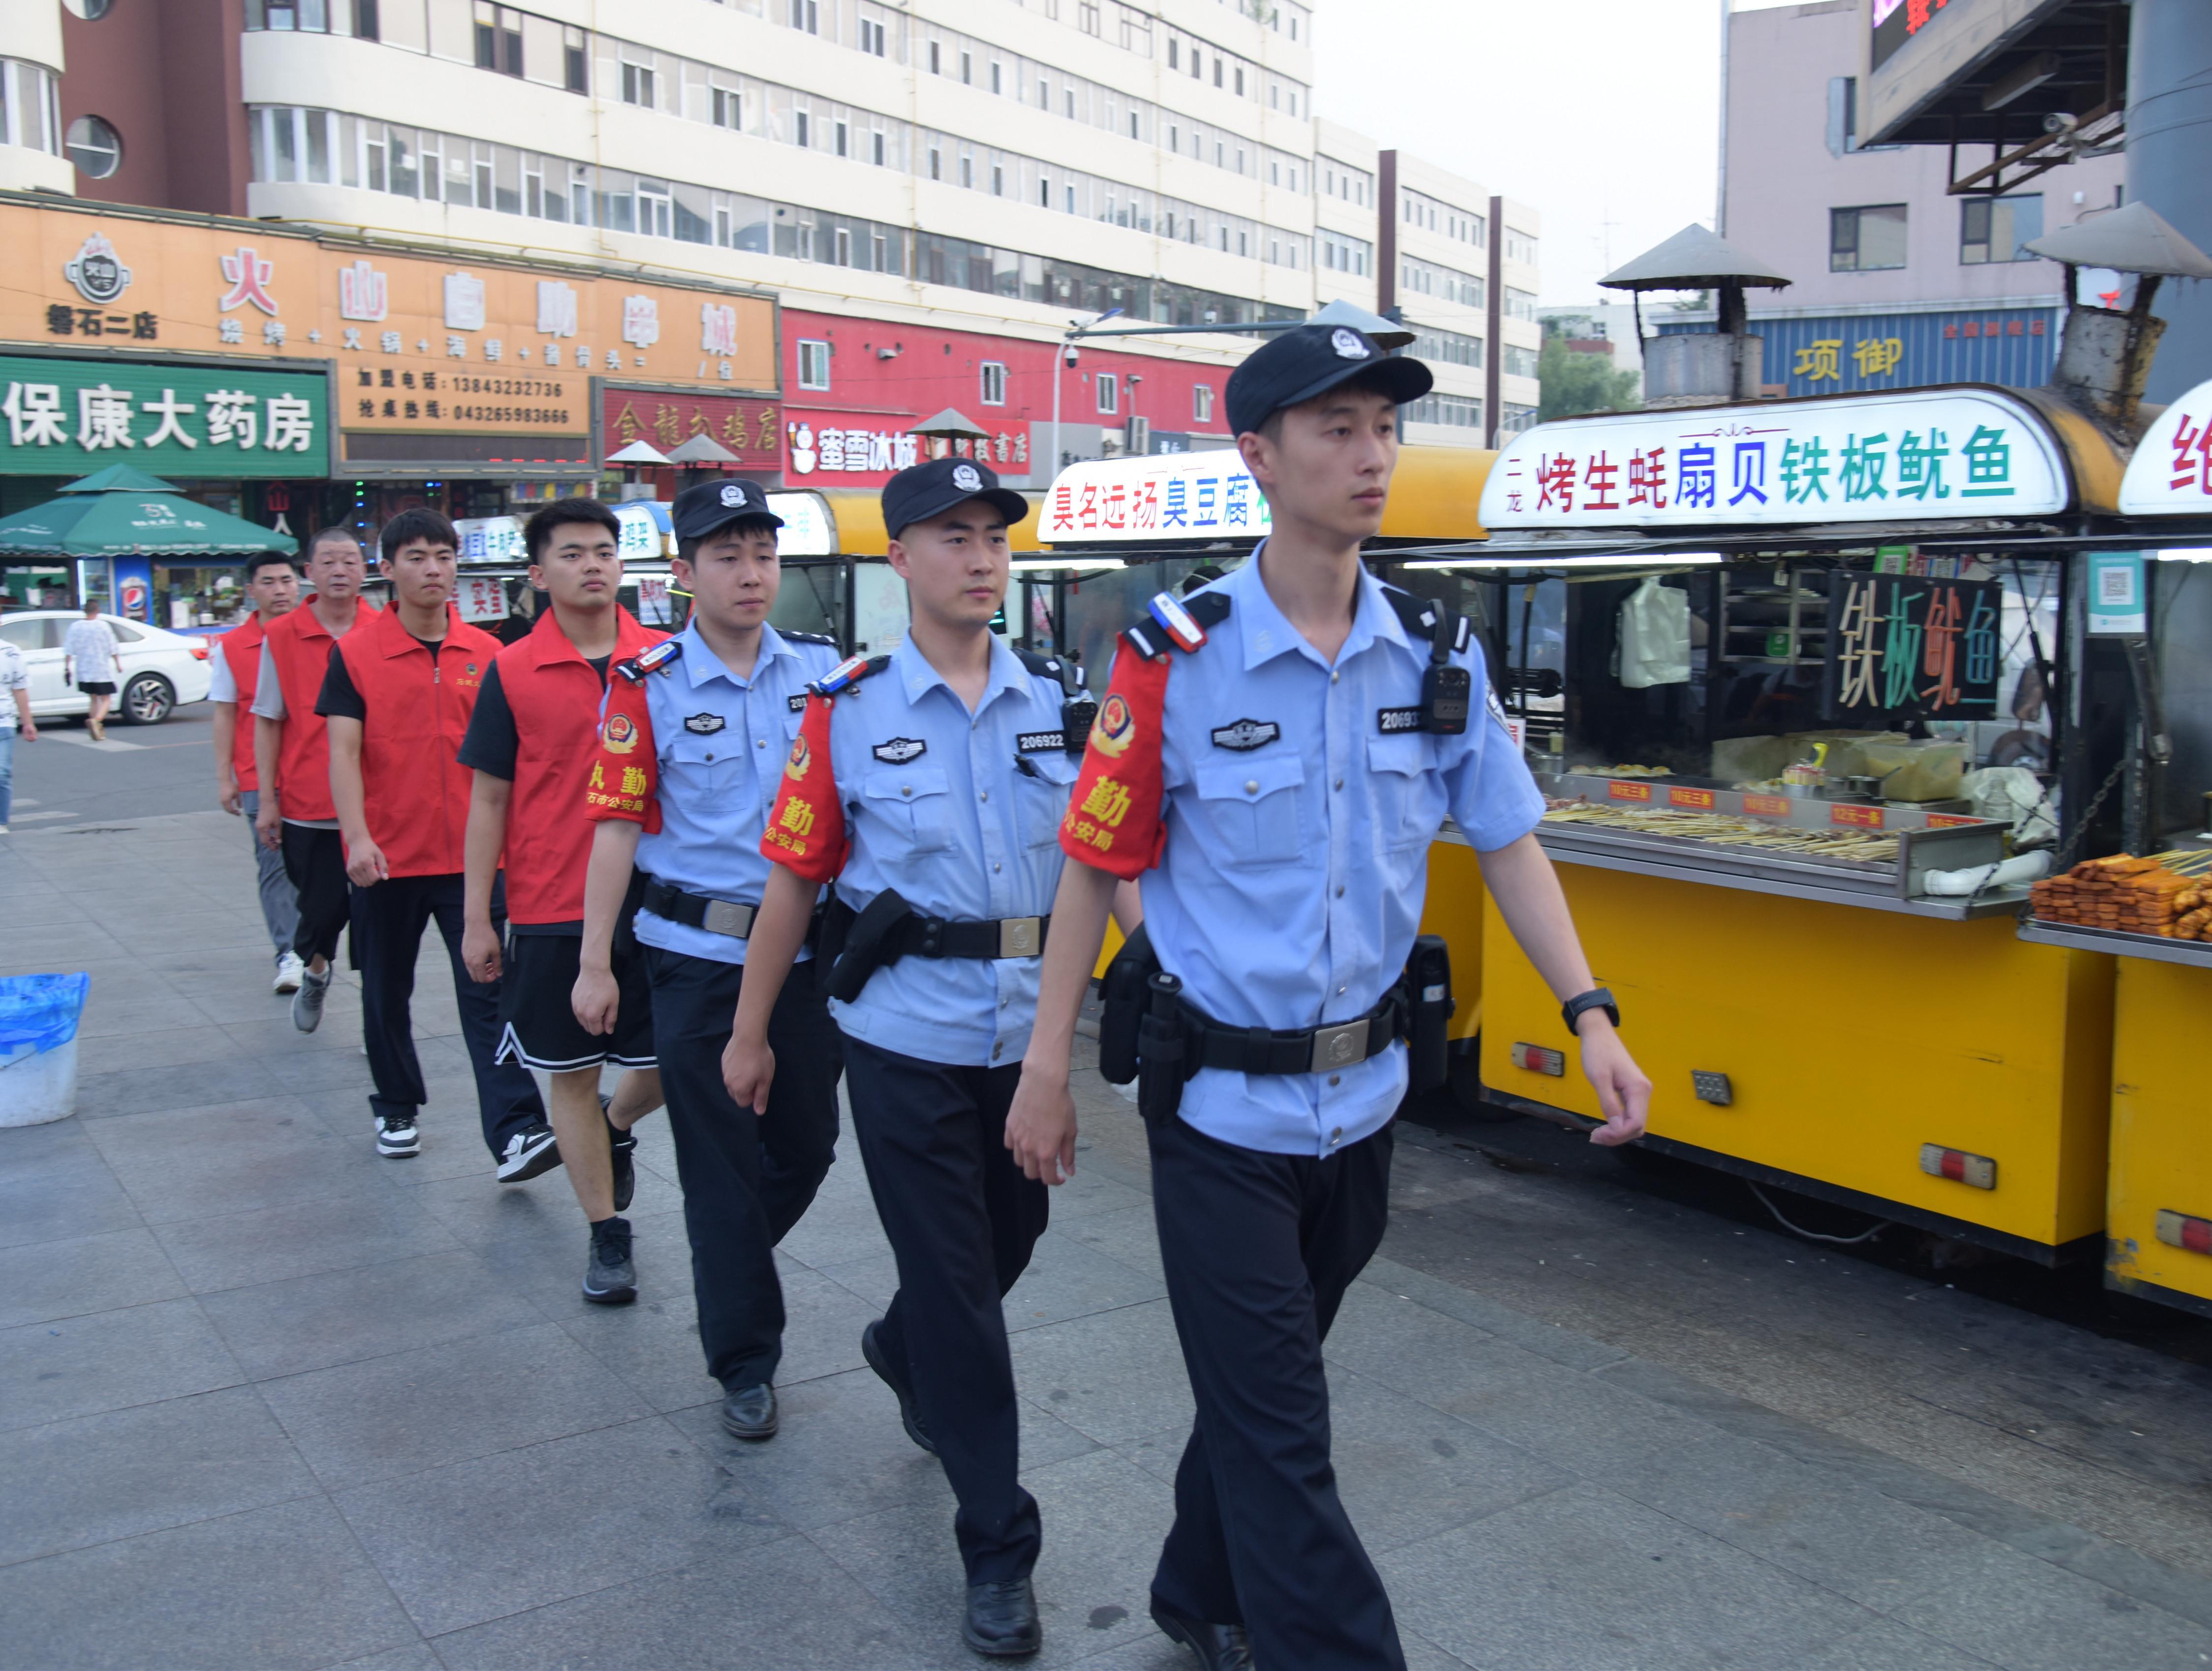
1597, 998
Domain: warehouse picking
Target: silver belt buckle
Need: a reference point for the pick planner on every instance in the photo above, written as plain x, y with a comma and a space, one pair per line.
727, 916
1344, 1046
1021, 937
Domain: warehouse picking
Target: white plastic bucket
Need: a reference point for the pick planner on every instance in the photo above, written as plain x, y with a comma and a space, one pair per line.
39, 1086
39, 1018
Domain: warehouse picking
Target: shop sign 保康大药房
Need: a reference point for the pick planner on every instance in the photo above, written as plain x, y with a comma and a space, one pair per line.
2171, 474
70, 417
1916, 455
1169, 495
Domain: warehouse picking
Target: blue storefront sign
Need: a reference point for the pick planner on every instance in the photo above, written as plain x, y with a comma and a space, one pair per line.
1844, 353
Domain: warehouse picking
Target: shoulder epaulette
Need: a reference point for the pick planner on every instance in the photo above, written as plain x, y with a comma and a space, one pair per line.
1419, 617
1056, 668
847, 673
663, 654
810, 638
1173, 623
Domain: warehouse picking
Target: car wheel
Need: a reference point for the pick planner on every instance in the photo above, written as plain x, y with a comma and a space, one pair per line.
147, 700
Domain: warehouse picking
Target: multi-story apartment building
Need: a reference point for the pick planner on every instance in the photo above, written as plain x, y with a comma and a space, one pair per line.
1895, 281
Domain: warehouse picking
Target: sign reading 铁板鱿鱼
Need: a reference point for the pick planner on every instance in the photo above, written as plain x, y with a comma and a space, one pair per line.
1170, 496
1915, 455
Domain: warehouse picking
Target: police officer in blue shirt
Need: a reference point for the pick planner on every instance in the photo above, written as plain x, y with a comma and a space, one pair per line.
692, 745
1273, 757
929, 785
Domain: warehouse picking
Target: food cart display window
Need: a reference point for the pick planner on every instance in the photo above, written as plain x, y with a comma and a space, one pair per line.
189, 596
2181, 627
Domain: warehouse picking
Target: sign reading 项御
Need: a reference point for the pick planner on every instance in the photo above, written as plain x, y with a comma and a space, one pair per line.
1913, 456
70, 417
2171, 474
1907, 646
1173, 495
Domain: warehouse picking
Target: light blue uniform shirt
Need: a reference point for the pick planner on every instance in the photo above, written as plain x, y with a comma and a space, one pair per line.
719, 775
1290, 886
962, 833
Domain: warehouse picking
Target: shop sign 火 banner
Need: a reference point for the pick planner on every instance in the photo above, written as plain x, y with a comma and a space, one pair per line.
1916, 455
1172, 496
1912, 647
2171, 474
70, 417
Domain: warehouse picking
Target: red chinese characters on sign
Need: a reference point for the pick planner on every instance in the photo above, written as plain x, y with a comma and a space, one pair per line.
1647, 478
2192, 455
1598, 478
1948, 820
1697, 798
1555, 481
752, 430
1629, 791
1866, 817
1768, 806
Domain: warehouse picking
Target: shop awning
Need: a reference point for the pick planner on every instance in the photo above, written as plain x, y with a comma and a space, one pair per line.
117, 524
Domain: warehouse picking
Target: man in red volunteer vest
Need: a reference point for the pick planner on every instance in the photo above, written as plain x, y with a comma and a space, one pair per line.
292, 757
397, 697
272, 586
532, 743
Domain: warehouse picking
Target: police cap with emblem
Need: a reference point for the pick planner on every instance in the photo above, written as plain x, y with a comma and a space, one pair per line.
1297, 365
711, 506
921, 491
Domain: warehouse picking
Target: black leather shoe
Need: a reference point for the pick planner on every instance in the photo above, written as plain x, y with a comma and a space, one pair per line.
1219, 1647
749, 1413
880, 1362
1002, 1619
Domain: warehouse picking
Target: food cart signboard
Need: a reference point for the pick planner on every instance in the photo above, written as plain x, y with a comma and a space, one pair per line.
1910, 456
2171, 474
1172, 496
1907, 646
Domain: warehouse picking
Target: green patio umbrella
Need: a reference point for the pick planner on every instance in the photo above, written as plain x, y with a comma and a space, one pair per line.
121, 479
118, 523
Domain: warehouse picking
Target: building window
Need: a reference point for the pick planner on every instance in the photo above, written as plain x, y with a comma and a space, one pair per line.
1866, 239
1174, 46
1995, 228
802, 126
998, 77
30, 111
1086, 17
1457, 411
1516, 362
935, 66
577, 61
1519, 304
499, 38
637, 84
1109, 393
807, 14
994, 383
871, 36
813, 364
729, 108
967, 69
94, 147
876, 146
1201, 403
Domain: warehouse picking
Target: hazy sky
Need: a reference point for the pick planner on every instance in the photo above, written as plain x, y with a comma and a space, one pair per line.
1601, 113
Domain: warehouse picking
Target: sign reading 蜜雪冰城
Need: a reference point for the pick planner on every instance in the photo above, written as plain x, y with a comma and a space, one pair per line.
1917, 455
1909, 645
70, 417
1172, 496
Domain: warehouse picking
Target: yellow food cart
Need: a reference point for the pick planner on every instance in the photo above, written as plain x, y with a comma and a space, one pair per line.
1121, 529
1755, 805
2159, 1186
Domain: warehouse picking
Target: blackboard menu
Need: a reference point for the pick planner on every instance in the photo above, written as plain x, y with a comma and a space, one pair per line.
1909, 647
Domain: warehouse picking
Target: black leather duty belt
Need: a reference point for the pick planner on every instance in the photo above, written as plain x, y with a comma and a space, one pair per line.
717, 916
918, 936
1308, 1050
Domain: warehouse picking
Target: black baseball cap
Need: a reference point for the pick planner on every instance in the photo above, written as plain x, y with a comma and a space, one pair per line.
1297, 365
710, 507
921, 491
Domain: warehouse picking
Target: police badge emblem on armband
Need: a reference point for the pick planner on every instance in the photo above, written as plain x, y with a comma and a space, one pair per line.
619, 734
801, 759
1116, 725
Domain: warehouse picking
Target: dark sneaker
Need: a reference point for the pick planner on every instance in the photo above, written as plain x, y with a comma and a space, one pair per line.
622, 1148
749, 1413
1219, 1647
1002, 1619
529, 1153
880, 1361
396, 1135
308, 1002
609, 1277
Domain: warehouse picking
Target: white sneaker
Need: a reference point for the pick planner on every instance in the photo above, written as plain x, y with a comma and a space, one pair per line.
290, 969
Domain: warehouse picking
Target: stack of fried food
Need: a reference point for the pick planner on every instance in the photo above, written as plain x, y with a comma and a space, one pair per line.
2130, 894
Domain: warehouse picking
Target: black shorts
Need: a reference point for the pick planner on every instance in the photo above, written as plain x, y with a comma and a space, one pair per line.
537, 1023
97, 687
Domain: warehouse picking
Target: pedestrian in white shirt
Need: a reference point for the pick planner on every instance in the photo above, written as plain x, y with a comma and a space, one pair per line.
15, 710
88, 656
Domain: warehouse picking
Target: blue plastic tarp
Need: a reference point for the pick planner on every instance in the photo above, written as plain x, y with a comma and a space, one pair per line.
39, 1012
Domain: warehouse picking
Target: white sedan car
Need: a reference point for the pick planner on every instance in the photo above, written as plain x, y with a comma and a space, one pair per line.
158, 669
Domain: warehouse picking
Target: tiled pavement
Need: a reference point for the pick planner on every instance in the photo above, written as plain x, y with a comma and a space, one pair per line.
269, 1400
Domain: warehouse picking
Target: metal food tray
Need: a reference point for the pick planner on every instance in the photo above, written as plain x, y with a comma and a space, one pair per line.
2117, 942
1926, 840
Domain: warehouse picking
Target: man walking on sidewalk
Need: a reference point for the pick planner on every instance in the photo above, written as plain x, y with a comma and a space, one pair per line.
15, 710
88, 661
397, 697
272, 586
292, 757
691, 751
530, 744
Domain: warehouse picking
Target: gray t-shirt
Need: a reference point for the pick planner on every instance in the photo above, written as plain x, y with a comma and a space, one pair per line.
14, 675
91, 644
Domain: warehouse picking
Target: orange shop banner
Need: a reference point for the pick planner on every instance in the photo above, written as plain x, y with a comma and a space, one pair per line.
424, 342
750, 429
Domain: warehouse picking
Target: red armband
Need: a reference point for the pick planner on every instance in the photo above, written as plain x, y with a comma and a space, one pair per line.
805, 828
1114, 820
625, 778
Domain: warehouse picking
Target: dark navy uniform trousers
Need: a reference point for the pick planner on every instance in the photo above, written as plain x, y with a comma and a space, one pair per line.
747, 1178
962, 1221
1259, 1250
